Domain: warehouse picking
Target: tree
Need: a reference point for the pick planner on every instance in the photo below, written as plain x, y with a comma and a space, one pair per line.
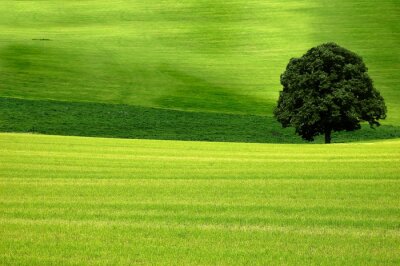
328, 89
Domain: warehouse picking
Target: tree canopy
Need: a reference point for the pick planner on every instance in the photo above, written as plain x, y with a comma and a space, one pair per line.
328, 89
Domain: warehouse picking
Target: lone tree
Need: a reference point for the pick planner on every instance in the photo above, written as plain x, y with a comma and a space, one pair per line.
328, 89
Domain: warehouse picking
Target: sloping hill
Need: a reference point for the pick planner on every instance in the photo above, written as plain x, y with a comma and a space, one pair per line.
207, 56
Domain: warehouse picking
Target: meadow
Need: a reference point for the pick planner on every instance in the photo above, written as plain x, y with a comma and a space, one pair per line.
194, 56
141, 132
94, 201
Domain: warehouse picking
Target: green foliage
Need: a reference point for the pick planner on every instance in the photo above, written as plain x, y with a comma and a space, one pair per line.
93, 201
328, 89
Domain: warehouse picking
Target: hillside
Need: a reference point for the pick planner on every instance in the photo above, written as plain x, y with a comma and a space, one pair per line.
197, 56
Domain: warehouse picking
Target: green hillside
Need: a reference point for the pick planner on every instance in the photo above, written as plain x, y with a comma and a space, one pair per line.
192, 70
91, 201
202, 56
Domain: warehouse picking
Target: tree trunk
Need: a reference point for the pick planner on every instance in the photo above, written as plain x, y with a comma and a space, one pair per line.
328, 136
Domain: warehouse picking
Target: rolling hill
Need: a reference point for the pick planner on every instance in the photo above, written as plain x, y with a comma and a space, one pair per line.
195, 56
193, 70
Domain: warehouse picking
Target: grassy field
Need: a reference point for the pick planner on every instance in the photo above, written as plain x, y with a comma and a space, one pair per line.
200, 56
193, 70
73, 200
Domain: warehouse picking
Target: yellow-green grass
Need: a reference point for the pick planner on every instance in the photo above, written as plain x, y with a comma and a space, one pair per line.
73, 200
221, 56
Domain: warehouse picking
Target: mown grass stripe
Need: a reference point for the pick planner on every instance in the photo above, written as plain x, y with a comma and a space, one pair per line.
64, 199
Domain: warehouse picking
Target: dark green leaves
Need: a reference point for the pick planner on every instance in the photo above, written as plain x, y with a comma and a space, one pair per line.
328, 89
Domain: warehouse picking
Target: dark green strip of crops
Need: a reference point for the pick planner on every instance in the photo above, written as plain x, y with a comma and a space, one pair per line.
125, 121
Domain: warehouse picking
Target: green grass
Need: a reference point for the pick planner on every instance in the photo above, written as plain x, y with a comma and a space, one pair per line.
188, 70
73, 200
202, 56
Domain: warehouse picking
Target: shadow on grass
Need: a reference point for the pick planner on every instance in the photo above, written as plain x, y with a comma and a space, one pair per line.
197, 93
124, 121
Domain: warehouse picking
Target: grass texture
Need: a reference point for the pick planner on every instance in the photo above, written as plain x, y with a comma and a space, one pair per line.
93, 201
208, 56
